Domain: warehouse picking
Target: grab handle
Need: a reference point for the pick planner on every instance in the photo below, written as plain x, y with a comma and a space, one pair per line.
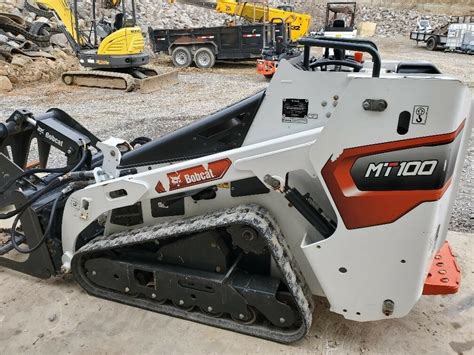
348, 44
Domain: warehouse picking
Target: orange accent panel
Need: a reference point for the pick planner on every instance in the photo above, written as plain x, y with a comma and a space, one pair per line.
159, 187
444, 277
360, 209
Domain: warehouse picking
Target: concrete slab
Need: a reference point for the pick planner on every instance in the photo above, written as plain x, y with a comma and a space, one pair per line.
56, 316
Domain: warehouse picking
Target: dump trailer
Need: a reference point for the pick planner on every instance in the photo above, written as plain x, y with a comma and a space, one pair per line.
205, 45
338, 180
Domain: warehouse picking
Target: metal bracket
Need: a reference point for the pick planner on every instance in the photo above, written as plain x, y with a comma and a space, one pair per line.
374, 105
112, 155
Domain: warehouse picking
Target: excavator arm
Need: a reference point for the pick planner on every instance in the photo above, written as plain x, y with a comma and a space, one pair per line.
65, 14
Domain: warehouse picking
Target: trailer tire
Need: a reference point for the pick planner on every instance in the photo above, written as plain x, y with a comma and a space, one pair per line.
431, 44
181, 57
204, 58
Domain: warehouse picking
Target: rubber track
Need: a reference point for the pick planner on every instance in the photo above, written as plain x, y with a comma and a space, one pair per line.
127, 78
252, 215
9, 25
40, 12
37, 27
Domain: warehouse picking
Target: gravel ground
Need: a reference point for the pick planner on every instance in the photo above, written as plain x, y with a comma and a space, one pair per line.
57, 316
128, 115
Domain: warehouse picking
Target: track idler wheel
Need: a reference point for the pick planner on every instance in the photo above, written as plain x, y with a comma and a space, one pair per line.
246, 319
68, 79
210, 311
182, 304
158, 300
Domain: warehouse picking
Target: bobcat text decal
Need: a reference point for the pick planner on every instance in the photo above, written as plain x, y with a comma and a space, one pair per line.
195, 175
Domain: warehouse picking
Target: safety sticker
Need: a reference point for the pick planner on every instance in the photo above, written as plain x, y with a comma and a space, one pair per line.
420, 114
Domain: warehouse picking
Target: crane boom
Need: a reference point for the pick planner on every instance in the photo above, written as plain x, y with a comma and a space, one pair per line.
257, 12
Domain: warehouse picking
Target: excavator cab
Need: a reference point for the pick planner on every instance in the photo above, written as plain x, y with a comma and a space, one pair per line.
340, 17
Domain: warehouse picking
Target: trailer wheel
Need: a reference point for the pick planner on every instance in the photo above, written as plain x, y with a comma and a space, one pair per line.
431, 44
181, 57
204, 58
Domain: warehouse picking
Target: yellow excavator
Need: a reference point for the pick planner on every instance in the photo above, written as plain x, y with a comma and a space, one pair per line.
112, 51
258, 11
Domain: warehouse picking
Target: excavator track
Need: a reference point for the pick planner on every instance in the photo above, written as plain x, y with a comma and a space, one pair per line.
107, 267
99, 79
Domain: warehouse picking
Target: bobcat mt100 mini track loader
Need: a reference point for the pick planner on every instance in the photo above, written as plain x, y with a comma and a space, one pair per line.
337, 180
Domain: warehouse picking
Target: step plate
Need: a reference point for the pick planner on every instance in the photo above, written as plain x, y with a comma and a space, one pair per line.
444, 277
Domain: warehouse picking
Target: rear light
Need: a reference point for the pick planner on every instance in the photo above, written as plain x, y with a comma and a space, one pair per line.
359, 57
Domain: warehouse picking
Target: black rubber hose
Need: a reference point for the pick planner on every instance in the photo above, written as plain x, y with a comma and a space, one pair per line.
22, 210
45, 234
52, 185
19, 212
44, 170
81, 162
31, 172
55, 184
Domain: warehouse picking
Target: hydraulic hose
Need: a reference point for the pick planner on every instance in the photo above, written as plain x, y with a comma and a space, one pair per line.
31, 172
45, 170
52, 185
46, 232
21, 238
